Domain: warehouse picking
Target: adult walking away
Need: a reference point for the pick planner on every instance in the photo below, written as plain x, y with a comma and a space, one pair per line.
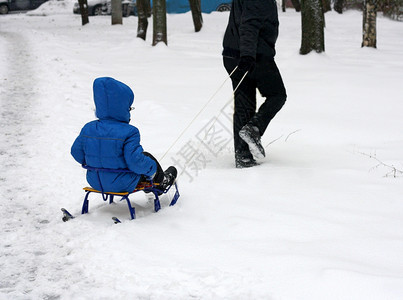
249, 45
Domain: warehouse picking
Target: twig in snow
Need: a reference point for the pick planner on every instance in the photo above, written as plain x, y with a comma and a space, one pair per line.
291, 134
275, 140
394, 171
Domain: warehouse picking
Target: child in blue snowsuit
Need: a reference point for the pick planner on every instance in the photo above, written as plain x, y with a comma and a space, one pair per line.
111, 142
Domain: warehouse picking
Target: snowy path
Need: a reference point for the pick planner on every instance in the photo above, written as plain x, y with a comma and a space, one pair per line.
18, 97
16, 123
27, 246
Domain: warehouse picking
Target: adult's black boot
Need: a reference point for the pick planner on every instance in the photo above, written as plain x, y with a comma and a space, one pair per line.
251, 135
244, 160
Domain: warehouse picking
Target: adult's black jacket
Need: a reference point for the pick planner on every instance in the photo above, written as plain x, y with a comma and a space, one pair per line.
252, 29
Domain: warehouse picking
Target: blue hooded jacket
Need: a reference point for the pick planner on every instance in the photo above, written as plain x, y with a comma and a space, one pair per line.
111, 142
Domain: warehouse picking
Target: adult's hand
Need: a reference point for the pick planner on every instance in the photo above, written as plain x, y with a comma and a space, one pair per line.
246, 64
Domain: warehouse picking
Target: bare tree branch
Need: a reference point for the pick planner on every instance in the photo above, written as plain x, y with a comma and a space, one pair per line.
291, 134
275, 140
393, 170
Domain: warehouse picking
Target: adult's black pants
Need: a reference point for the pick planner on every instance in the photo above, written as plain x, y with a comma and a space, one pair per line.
265, 78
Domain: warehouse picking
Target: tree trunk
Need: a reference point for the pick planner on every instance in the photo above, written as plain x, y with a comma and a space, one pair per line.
297, 5
313, 20
369, 24
338, 6
195, 7
84, 11
143, 11
326, 6
116, 12
159, 22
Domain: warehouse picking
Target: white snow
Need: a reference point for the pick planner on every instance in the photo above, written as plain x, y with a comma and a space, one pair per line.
317, 219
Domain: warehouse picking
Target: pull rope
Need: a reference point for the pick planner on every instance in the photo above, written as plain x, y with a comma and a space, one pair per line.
215, 119
246, 73
233, 94
200, 111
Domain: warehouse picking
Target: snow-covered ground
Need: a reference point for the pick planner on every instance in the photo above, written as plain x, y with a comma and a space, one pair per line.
317, 219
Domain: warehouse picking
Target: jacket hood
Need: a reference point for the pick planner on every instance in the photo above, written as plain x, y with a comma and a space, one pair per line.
112, 99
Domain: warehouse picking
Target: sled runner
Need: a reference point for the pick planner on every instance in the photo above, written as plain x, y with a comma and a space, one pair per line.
66, 215
146, 186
